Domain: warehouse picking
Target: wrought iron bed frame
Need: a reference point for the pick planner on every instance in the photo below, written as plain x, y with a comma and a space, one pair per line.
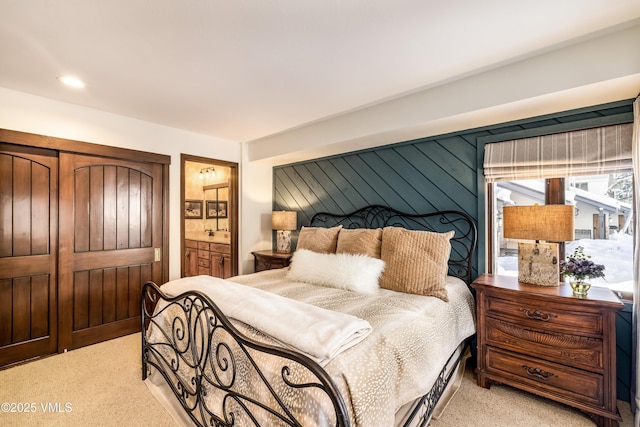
194, 339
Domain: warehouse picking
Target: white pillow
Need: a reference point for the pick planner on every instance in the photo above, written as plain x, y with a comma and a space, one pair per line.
358, 273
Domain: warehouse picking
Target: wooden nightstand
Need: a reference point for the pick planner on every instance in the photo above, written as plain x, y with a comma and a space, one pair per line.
269, 260
546, 341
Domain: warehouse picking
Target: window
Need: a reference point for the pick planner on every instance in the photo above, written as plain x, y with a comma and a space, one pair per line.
590, 169
582, 185
603, 225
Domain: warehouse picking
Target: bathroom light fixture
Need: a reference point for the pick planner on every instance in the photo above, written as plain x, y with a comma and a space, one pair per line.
71, 81
206, 172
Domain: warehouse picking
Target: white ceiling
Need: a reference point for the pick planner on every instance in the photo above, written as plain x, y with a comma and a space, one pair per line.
241, 70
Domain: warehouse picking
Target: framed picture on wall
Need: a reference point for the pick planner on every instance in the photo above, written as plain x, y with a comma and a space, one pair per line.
217, 209
193, 209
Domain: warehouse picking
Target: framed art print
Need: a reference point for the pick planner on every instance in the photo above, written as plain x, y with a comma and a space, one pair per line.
193, 209
217, 209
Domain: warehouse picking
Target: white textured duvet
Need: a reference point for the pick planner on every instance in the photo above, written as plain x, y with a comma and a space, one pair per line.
411, 339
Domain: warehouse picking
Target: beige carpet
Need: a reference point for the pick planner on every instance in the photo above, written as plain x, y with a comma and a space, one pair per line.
101, 385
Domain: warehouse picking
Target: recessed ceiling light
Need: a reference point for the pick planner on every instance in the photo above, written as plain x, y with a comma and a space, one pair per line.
71, 81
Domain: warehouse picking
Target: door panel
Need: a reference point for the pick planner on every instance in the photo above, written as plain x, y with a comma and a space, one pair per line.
28, 252
107, 245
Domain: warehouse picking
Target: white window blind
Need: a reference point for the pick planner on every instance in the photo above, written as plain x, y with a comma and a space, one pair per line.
594, 151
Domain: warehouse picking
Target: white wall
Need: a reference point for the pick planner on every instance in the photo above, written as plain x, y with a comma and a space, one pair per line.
256, 205
603, 68
27, 113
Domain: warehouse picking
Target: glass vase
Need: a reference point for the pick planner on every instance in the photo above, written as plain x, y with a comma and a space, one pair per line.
580, 287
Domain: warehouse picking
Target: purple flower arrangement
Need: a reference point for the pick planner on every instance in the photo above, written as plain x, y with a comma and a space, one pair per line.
580, 267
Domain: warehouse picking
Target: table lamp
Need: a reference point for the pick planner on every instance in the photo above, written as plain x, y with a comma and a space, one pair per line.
283, 222
538, 263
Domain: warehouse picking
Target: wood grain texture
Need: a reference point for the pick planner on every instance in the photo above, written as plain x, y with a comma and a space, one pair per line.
6, 207
116, 210
21, 206
40, 306
21, 309
583, 351
28, 220
96, 223
6, 311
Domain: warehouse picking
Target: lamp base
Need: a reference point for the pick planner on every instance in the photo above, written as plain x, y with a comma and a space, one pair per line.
283, 241
538, 264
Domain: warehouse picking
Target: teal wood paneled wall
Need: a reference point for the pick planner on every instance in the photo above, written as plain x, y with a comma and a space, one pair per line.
411, 178
434, 173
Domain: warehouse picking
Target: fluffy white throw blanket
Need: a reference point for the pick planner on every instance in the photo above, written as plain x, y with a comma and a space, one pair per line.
319, 333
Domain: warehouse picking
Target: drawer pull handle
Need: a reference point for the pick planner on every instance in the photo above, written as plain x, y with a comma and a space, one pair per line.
267, 265
538, 315
537, 372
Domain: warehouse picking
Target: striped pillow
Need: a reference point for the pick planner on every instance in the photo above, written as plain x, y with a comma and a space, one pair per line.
416, 261
362, 241
318, 239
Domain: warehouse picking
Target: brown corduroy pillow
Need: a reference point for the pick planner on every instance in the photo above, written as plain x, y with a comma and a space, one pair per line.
360, 241
318, 239
416, 261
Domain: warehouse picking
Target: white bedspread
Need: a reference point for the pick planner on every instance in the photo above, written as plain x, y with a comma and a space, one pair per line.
319, 333
411, 340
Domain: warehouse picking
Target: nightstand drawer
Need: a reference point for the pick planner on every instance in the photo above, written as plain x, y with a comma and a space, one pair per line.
553, 316
546, 376
270, 260
203, 262
269, 264
573, 350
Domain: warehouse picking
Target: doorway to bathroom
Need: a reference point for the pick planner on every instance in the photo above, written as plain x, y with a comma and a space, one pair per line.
209, 216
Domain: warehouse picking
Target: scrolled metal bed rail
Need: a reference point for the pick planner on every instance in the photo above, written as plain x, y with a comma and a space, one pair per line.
200, 353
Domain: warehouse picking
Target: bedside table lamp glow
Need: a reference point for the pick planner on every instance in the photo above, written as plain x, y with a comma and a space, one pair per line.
538, 263
283, 222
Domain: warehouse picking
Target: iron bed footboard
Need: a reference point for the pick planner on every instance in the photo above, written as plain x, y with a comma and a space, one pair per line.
202, 340
194, 340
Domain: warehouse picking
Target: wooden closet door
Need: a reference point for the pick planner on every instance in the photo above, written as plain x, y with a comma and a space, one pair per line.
110, 244
28, 248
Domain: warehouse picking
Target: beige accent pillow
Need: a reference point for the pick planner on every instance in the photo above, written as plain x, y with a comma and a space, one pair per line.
416, 261
319, 239
360, 241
